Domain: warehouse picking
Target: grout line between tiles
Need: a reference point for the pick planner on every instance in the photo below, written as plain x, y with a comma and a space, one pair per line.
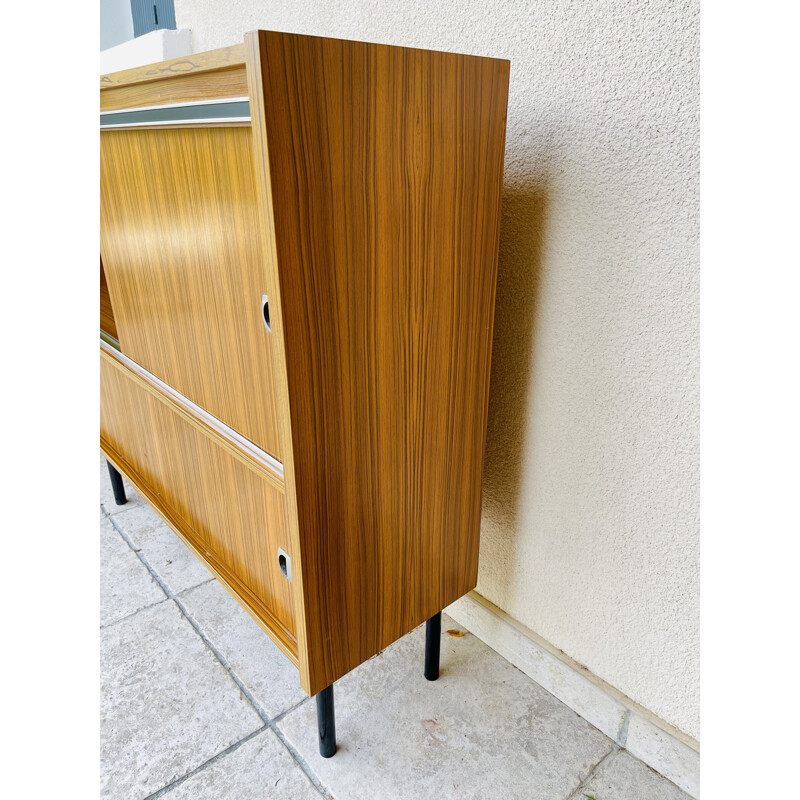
268, 722
272, 723
175, 599
112, 509
577, 794
188, 589
222, 753
299, 760
622, 736
133, 614
224, 661
279, 717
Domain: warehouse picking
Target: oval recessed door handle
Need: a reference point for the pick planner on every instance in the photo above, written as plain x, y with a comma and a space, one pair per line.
265, 311
285, 563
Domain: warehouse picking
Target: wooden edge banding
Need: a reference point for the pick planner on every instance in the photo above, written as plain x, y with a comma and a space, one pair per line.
244, 450
255, 44
254, 607
222, 58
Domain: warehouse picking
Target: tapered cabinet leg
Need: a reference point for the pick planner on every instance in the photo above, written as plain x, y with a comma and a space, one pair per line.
433, 638
116, 485
326, 722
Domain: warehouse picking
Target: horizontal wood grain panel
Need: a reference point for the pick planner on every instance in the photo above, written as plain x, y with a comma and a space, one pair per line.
184, 262
201, 86
205, 86
381, 200
222, 506
211, 60
214, 74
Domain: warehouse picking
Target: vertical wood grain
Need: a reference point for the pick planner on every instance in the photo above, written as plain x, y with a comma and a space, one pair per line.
183, 258
365, 200
385, 171
224, 508
255, 44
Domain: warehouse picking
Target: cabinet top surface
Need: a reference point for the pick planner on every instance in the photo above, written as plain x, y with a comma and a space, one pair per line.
219, 59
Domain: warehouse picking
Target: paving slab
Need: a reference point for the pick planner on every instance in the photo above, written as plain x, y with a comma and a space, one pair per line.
260, 769
125, 583
484, 730
107, 502
167, 704
266, 672
171, 559
623, 777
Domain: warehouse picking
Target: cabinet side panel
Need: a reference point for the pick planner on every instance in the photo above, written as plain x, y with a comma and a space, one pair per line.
386, 174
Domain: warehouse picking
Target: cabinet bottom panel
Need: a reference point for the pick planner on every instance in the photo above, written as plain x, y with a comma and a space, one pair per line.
227, 508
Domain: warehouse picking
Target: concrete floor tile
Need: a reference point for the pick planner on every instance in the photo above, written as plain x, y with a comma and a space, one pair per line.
484, 730
167, 704
573, 688
260, 769
623, 777
171, 559
107, 494
125, 584
265, 671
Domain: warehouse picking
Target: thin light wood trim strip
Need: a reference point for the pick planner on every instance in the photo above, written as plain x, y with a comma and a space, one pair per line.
251, 604
243, 449
173, 126
222, 58
255, 43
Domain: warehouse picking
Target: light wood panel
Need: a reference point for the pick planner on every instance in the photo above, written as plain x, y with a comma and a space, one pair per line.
385, 173
254, 47
206, 86
184, 261
209, 61
219, 500
203, 76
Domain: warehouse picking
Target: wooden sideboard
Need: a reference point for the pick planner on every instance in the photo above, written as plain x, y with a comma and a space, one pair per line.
298, 243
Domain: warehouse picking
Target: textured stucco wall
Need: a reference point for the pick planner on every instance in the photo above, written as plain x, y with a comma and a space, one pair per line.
590, 529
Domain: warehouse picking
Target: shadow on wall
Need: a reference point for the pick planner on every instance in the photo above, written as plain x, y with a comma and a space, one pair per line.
522, 229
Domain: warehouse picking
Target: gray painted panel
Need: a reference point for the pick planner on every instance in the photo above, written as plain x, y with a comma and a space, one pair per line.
174, 114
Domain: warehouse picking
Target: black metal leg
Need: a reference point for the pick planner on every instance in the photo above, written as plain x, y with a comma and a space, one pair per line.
326, 722
433, 638
116, 485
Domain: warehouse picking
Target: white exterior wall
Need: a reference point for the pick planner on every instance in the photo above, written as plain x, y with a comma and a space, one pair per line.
590, 520
116, 23
150, 48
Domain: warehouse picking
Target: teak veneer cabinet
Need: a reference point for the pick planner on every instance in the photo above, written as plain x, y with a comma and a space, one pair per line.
299, 241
